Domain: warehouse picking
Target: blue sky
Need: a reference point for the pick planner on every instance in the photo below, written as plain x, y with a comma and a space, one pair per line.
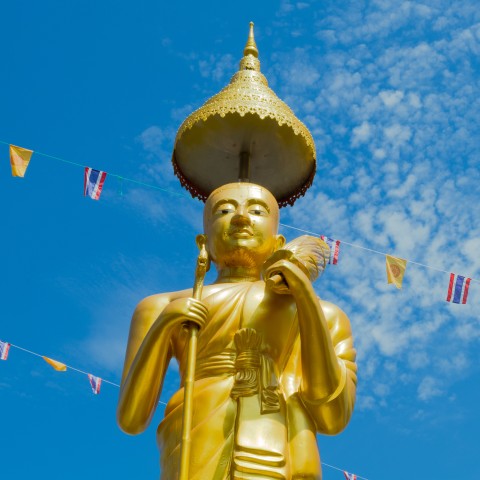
390, 91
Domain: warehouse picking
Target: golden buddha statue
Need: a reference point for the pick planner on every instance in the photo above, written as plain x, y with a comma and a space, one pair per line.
274, 363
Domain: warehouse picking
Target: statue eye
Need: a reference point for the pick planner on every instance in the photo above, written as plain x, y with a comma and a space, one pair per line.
225, 209
258, 210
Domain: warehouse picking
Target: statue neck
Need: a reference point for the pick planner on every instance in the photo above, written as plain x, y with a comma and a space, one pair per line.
238, 274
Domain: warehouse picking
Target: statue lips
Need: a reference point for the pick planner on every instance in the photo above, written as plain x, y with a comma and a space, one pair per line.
241, 233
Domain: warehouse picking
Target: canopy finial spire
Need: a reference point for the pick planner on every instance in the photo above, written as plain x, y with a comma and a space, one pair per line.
251, 46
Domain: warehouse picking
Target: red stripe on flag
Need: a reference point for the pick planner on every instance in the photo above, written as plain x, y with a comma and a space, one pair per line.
450, 287
6, 348
465, 292
100, 185
337, 249
85, 181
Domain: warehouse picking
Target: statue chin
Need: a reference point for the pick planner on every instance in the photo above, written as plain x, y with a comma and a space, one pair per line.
240, 257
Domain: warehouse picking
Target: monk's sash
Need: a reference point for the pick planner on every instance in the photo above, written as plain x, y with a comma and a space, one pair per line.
253, 370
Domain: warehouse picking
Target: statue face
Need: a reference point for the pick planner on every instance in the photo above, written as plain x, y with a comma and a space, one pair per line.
241, 223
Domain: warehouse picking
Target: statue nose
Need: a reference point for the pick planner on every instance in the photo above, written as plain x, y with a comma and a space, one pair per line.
241, 217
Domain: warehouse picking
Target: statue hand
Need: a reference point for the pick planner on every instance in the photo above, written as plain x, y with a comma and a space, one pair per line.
185, 310
294, 279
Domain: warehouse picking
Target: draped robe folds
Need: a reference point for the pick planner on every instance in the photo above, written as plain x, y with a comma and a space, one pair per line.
249, 421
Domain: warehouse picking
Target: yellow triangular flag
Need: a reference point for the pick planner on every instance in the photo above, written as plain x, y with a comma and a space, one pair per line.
395, 270
19, 159
61, 367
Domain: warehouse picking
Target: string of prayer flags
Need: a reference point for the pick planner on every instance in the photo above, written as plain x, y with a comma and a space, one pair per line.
458, 289
59, 366
334, 248
93, 182
19, 160
95, 383
395, 270
4, 348
95, 179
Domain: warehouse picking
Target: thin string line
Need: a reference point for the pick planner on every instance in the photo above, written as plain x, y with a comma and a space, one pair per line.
68, 366
340, 470
374, 251
171, 192
116, 385
138, 182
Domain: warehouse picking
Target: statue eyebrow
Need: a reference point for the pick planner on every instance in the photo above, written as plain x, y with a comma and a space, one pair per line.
250, 201
224, 200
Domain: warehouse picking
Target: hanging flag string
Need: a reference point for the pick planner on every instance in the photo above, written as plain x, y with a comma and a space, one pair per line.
342, 470
122, 178
68, 366
171, 192
373, 251
117, 385
131, 180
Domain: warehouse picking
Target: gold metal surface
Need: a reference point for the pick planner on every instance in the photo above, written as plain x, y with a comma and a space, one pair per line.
188, 403
203, 265
246, 116
274, 364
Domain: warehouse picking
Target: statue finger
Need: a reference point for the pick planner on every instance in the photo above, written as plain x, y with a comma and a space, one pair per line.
197, 303
199, 321
199, 309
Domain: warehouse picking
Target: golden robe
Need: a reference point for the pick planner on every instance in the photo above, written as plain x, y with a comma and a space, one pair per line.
249, 418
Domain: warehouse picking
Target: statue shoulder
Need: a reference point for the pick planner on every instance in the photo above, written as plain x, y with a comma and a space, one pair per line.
154, 302
151, 307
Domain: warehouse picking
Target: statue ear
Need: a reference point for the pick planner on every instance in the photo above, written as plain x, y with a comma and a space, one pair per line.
201, 241
280, 242
204, 254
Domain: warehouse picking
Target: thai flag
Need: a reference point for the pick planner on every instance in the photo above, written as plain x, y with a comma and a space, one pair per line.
93, 182
4, 348
95, 382
458, 289
334, 248
350, 476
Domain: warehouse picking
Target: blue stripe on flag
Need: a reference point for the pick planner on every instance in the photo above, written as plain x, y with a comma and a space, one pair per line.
458, 289
94, 174
92, 181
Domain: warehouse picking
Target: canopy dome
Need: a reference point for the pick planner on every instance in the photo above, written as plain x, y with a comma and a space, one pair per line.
245, 132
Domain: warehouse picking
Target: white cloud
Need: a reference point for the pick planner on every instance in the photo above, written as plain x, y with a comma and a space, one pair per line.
391, 95
152, 138
397, 109
218, 67
397, 134
157, 144
365, 402
429, 388
361, 134
390, 98
302, 5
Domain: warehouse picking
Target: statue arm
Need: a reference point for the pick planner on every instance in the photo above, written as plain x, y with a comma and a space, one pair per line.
146, 361
326, 364
332, 404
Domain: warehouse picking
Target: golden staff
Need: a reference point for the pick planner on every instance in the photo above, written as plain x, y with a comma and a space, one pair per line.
201, 269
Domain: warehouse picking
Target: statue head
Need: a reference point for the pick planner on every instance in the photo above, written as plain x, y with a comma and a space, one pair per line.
240, 222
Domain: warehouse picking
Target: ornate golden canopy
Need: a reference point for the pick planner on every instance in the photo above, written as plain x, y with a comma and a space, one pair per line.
245, 133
